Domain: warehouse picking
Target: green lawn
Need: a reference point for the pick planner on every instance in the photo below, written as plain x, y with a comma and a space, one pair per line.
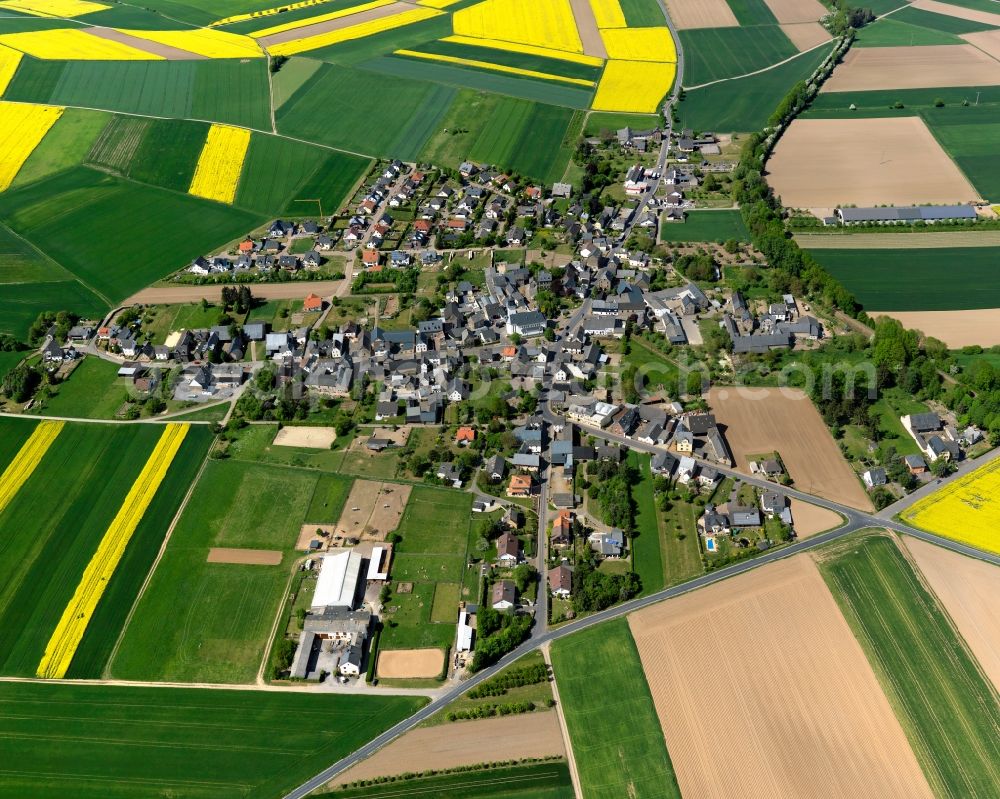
647, 552
93, 391
947, 708
618, 744
893, 404
599, 122
185, 743
50, 536
328, 499
912, 280
202, 621
715, 226
532, 781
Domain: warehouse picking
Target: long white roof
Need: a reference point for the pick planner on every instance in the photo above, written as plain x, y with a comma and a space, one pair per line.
338, 580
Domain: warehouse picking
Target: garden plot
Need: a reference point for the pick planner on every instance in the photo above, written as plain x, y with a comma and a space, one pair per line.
872, 68
824, 163
818, 717
373, 509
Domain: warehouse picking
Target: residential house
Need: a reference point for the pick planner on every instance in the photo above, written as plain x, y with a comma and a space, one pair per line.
504, 595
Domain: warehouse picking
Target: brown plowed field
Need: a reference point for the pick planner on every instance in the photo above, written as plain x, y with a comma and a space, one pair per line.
987, 41
246, 557
763, 691
156, 48
823, 163
867, 68
372, 509
687, 14
969, 589
768, 419
329, 25
810, 519
166, 295
958, 12
806, 35
586, 26
410, 663
955, 328
788, 11
463, 743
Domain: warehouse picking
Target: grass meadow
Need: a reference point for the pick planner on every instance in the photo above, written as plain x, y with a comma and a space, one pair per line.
21, 264
706, 226
716, 53
912, 279
65, 145
947, 708
531, 781
53, 525
92, 391
647, 552
328, 499
22, 302
616, 736
185, 743
201, 621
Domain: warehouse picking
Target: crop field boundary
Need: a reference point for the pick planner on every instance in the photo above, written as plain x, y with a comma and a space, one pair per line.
156, 562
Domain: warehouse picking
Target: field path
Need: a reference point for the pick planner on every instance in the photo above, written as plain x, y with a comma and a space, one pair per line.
574, 773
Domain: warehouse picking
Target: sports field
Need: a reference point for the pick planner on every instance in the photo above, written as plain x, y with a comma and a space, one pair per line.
716, 226
873, 276
201, 621
947, 708
185, 743
618, 745
781, 624
43, 561
966, 509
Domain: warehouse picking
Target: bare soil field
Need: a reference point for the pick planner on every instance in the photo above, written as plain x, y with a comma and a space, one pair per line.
246, 557
307, 532
790, 11
462, 743
822, 163
764, 420
987, 41
810, 519
340, 23
398, 436
867, 68
586, 26
162, 50
797, 703
309, 437
969, 590
687, 14
898, 241
373, 509
168, 295
955, 328
806, 35
410, 663
958, 12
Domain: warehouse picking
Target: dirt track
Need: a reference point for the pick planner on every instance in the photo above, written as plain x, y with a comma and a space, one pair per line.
870, 68
246, 557
763, 420
379, 506
410, 663
970, 591
763, 691
823, 163
463, 743
955, 328
688, 14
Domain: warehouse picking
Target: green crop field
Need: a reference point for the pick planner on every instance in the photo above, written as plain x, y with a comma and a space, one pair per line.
894, 32
618, 745
551, 66
201, 621
532, 781
435, 530
642, 13
92, 391
21, 263
117, 236
8, 360
407, 37
168, 153
601, 122
50, 536
946, 706
948, 279
397, 126
752, 12
185, 743
278, 172
715, 53
747, 103
706, 226
22, 302
218, 90
328, 499
64, 146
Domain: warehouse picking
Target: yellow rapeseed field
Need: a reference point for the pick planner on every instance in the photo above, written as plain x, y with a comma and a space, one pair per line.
472, 62
76, 616
22, 127
528, 49
608, 14
301, 23
633, 86
967, 509
549, 24
640, 44
436, 3
53, 8
221, 161
9, 59
266, 12
202, 41
73, 44
359, 31
27, 458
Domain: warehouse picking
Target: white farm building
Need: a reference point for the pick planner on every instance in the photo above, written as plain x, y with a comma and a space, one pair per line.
337, 586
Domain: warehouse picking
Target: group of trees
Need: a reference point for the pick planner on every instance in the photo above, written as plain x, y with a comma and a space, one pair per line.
62, 321
489, 711
238, 299
497, 634
511, 678
611, 487
700, 267
596, 590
